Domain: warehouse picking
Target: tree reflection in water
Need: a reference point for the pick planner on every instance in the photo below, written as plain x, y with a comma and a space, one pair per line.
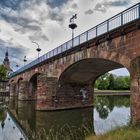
2, 116
105, 104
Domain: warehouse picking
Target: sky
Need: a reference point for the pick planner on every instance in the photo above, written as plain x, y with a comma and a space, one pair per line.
46, 22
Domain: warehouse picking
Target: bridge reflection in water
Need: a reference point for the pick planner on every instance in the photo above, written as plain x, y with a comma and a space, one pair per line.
61, 124
108, 113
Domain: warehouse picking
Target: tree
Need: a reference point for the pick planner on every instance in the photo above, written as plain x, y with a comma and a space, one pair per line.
103, 82
127, 80
120, 83
3, 72
111, 82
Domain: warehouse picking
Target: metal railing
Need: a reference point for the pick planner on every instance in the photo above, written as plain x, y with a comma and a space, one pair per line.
114, 22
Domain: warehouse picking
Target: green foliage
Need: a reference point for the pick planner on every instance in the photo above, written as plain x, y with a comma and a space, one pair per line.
124, 133
111, 82
3, 72
103, 82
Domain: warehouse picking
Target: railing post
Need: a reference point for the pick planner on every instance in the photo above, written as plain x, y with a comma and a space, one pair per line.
66, 46
139, 10
107, 25
121, 18
87, 36
96, 31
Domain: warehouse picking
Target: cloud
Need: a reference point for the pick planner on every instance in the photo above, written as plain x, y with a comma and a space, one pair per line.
74, 6
100, 7
53, 15
105, 4
28, 28
38, 36
13, 4
89, 12
56, 3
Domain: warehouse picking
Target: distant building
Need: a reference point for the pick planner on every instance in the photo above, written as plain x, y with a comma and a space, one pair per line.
6, 63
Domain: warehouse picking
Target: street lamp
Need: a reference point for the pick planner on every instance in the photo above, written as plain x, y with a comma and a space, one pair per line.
24, 60
16, 64
72, 25
38, 49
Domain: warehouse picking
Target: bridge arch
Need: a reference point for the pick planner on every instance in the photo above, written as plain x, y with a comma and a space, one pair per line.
80, 77
33, 86
87, 70
11, 81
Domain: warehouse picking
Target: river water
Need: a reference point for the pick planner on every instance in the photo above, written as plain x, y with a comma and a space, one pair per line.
21, 121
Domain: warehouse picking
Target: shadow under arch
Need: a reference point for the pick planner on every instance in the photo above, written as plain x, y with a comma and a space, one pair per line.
87, 71
33, 86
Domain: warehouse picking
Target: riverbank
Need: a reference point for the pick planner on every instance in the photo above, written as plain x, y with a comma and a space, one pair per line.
111, 92
124, 133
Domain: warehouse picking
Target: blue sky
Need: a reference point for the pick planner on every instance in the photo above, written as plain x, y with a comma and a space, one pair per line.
46, 22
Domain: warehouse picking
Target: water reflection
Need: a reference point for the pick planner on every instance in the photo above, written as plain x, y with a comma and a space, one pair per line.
9, 129
76, 123
105, 104
109, 112
2, 117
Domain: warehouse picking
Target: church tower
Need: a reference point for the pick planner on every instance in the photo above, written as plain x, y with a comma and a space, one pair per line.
6, 62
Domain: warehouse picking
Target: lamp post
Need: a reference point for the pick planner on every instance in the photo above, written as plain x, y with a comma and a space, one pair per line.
24, 60
38, 49
72, 26
16, 64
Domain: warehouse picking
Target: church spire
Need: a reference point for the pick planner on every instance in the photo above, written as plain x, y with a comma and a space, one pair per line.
6, 61
6, 54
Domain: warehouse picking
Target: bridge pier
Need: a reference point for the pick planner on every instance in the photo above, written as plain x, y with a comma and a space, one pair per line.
135, 91
12, 90
74, 95
23, 90
51, 96
46, 89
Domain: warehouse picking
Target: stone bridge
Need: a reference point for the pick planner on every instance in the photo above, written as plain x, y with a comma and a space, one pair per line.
66, 78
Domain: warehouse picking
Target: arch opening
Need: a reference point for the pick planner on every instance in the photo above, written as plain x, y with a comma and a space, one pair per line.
76, 83
33, 87
18, 86
78, 80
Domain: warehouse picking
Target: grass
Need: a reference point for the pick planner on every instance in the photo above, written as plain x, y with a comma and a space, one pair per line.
112, 90
124, 133
65, 132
